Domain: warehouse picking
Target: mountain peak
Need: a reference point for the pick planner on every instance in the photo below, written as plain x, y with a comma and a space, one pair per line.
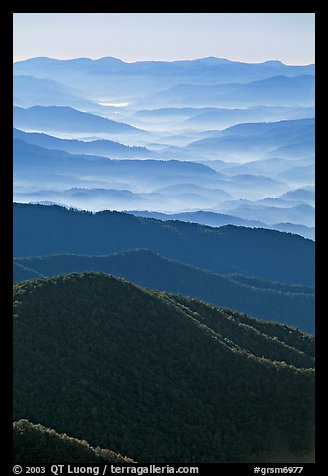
214, 60
273, 63
109, 60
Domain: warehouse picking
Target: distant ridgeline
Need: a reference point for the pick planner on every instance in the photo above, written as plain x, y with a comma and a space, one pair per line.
265, 273
156, 376
285, 303
268, 254
203, 134
275, 190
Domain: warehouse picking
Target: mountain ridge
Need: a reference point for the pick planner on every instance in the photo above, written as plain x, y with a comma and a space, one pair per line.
98, 147
227, 248
113, 58
209, 218
289, 304
34, 443
134, 332
68, 119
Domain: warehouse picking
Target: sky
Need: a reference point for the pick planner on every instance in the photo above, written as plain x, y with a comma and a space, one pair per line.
248, 37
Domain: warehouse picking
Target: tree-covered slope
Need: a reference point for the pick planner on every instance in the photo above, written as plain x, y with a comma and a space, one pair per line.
160, 377
285, 303
43, 230
37, 444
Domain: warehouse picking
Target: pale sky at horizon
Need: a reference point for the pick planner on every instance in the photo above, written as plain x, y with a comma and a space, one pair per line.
248, 37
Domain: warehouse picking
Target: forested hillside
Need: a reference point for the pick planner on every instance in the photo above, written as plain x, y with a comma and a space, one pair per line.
160, 377
37, 444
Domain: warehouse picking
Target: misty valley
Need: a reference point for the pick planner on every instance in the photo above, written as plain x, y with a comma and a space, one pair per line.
177, 137
164, 227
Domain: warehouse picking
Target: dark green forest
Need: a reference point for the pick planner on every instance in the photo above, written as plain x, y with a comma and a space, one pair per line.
268, 254
38, 444
285, 303
160, 377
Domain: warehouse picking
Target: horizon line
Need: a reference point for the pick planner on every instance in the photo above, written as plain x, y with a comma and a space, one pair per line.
271, 60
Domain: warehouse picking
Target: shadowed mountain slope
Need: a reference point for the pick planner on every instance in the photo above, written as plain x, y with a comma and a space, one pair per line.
288, 304
160, 377
43, 230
